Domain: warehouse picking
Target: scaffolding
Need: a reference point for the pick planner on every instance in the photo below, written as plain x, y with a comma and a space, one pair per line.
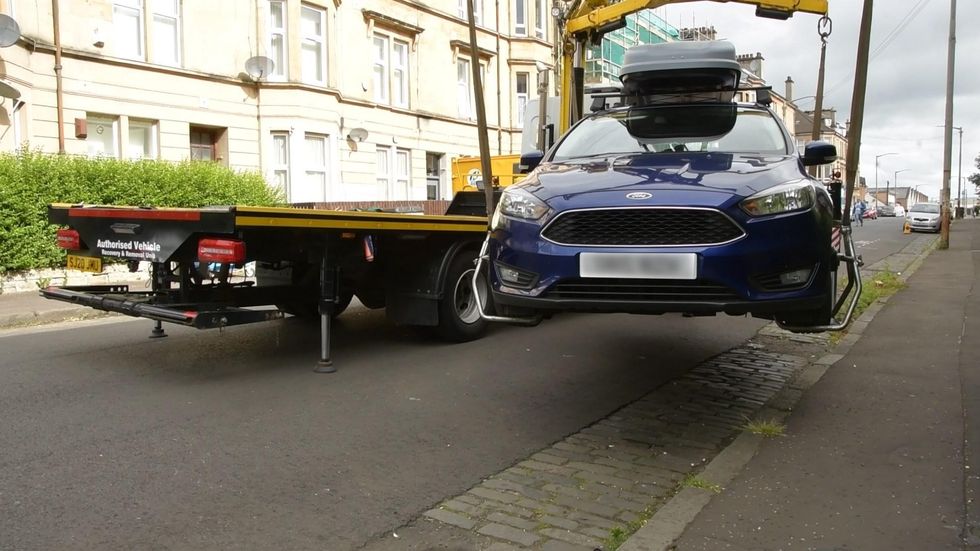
604, 61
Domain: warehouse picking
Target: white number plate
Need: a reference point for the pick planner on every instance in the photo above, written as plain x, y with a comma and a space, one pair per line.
639, 265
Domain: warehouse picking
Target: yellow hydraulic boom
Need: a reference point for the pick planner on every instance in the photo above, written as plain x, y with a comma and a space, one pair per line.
589, 19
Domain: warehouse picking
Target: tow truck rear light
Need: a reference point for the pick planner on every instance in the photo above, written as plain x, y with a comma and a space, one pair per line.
228, 251
69, 239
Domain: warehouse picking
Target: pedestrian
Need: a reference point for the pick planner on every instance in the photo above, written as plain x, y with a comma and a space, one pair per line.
859, 208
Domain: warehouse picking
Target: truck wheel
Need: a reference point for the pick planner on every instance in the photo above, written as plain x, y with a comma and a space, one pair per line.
459, 315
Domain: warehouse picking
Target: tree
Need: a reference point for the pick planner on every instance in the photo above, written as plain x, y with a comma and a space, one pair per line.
975, 177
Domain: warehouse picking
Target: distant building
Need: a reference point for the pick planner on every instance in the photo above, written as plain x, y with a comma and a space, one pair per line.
908, 196
831, 131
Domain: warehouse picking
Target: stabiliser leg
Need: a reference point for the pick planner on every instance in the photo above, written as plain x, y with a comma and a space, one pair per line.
158, 275
327, 297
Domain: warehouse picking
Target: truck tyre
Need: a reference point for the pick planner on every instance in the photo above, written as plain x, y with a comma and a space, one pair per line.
459, 315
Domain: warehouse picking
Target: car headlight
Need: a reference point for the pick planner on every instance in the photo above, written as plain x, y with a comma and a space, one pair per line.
517, 203
783, 198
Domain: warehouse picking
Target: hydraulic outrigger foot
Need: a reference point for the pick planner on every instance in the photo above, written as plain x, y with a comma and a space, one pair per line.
157, 332
325, 366
328, 292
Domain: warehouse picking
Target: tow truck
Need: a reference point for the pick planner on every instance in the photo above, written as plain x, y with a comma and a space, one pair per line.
420, 268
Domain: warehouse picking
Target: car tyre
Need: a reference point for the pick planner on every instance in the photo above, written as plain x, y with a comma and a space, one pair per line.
811, 317
459, 314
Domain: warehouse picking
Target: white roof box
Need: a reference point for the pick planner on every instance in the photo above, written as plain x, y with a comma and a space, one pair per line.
681, 71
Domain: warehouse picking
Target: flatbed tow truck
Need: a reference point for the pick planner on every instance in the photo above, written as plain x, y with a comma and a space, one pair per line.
311, 263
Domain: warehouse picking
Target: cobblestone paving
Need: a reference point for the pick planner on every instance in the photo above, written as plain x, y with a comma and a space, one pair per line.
572, 495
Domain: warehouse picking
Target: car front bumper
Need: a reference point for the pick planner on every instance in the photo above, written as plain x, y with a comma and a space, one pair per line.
735, 278
924, 225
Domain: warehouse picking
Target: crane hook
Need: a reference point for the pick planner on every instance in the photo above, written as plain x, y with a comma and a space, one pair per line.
824, 27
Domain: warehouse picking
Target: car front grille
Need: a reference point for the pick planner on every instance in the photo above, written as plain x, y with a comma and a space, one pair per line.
640, 227
640, 290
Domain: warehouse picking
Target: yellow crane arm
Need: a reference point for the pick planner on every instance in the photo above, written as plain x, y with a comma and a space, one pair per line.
589, 17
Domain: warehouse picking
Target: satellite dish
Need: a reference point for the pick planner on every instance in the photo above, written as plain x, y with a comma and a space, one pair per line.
9, 31
259, 66
8, 91
357, 134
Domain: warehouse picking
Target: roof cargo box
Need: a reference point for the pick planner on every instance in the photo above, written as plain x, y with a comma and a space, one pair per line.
681, 71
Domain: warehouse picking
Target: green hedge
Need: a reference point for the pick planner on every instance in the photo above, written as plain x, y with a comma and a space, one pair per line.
29, 180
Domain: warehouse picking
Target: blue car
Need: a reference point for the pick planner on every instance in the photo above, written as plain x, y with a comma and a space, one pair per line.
697, 206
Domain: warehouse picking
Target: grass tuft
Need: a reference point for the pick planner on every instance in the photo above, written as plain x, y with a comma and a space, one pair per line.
880, 285
694, 481
765, 428
619, 534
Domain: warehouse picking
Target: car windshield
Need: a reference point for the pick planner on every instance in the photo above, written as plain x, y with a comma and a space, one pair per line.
930, 209
672, 128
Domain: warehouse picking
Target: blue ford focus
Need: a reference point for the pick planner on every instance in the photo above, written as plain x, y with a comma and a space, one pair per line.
669, 202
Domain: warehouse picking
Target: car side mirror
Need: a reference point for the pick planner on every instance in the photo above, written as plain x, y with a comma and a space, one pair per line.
819, 153
530, 161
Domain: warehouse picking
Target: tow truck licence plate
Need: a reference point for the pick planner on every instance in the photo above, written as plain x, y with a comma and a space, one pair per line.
639, 265
84, 263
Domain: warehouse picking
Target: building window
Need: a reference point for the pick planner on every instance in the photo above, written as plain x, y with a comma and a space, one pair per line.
208, 144
142, 139
464, 92
316, 166
127, 23
390, 71
166, 32
433, 175
102, 132
540, 12
277, 39
280, 161
313, 26
520, 18
381, 68
163, 33
462, 10
522, 96
394, 168
399, 73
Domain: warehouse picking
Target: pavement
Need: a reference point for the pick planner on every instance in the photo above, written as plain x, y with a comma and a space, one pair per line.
881, 430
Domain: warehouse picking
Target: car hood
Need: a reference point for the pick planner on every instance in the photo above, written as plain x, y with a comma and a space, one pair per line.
700, 179
922, 215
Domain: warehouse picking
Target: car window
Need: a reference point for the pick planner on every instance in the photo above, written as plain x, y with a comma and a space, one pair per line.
929, 209
695, 128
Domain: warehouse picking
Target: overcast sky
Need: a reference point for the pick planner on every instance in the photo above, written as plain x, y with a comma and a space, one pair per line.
906, 79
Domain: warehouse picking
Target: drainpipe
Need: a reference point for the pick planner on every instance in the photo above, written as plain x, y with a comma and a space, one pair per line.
57, 77
500, 136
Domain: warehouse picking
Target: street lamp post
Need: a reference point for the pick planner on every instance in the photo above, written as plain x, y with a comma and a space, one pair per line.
876, 173
959, 181
897, 172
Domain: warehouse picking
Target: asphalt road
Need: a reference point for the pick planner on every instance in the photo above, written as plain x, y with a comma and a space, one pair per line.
879, 238
227, 439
